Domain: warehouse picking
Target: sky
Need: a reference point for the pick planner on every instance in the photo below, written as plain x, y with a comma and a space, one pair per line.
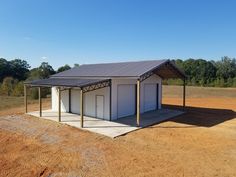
95, 31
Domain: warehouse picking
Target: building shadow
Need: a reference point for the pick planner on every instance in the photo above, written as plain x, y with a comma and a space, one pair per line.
204, 117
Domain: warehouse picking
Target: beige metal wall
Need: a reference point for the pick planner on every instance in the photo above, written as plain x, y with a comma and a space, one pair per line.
89, 101
154, 79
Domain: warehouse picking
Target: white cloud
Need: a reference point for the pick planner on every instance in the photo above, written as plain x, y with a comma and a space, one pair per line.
44, 58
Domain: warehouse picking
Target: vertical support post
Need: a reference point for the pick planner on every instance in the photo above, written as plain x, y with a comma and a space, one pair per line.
138, 103
184, 92
69, 100
40, 102
59, 104
81, 108
157, 97
135, 92
161, 94
110, 99
25, 99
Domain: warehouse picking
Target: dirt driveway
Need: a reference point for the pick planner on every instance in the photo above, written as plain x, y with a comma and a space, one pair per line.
201, 142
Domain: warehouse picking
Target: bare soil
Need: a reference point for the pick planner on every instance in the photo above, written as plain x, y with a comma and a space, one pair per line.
202, 142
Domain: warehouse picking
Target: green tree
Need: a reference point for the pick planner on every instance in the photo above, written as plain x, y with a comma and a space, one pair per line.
4, 69
198, 70
34, 74
19, 69
42, 72
226, 68
193, 81
229, 82
63, 68
46, 70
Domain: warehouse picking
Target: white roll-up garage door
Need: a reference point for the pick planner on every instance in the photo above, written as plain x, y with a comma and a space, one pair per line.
125, 100
75, 101
150, 97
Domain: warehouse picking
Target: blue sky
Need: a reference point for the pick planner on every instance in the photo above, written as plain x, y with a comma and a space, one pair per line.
92, 31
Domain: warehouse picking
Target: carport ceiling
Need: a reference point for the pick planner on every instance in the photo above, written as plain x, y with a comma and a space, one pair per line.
168, 71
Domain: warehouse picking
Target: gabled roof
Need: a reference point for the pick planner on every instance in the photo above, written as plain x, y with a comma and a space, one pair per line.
122, 69
86, 75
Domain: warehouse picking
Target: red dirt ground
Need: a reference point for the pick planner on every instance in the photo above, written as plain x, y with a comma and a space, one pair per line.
202, 142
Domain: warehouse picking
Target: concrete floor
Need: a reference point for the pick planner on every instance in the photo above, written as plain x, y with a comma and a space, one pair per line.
110, 128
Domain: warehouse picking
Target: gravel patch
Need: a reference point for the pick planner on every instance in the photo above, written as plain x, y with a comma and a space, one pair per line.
29, 127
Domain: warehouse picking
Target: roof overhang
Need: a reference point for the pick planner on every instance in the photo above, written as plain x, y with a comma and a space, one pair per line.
167, 70
85, 84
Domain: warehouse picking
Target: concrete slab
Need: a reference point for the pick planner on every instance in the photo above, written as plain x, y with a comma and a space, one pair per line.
110, 128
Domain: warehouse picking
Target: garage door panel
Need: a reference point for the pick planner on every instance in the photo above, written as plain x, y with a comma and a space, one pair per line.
150, 97
75, 101
126, 100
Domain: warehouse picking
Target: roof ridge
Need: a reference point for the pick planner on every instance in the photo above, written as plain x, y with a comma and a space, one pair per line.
133, 61
153, 68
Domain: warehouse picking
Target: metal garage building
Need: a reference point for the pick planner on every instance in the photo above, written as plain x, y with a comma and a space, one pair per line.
110, 90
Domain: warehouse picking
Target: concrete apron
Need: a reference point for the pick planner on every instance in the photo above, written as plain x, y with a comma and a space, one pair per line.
114, 128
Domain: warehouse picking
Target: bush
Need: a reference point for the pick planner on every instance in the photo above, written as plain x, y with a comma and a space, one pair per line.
34, 92
18, 89
220, 82
8, 86
234, 82
173, 82
11, 87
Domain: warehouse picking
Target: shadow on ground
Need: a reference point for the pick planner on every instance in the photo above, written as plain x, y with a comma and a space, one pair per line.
204, 117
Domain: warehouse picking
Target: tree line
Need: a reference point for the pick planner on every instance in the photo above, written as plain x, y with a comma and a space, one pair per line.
199, 72
13, 73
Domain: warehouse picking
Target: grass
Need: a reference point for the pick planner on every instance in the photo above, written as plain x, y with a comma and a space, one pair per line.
198, 92
11, 102
168, 91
